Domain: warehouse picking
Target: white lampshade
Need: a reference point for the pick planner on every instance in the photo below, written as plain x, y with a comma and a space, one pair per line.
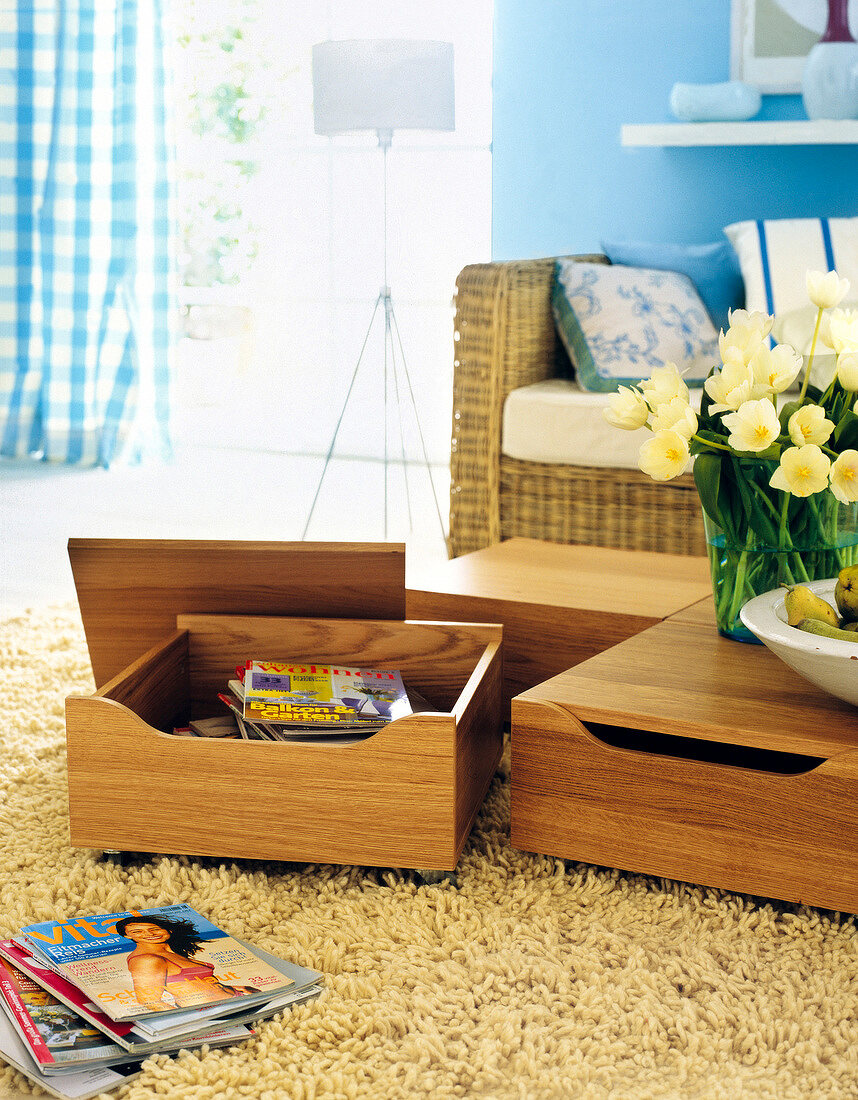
382, 84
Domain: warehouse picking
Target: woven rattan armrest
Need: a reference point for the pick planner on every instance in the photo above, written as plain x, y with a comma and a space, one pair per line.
504, 338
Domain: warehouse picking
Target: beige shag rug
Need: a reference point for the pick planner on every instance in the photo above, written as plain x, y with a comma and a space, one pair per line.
531, 979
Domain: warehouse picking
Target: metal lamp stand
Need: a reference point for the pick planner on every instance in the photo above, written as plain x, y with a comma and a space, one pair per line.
394, 366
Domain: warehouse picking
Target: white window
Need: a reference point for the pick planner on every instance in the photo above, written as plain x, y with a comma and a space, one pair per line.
286, 227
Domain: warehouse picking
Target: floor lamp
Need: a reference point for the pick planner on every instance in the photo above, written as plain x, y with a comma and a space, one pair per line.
383, 85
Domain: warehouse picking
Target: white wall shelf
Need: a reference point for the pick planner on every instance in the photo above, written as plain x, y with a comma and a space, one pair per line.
800, 132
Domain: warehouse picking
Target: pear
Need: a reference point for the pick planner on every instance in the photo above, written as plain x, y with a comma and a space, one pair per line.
825, 630
846, 593
851, 626
800, 603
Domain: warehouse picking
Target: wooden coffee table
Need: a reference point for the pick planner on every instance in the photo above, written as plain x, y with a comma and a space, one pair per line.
558, 604
683, 754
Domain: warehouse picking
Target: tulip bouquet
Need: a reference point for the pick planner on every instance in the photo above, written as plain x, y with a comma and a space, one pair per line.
776, 471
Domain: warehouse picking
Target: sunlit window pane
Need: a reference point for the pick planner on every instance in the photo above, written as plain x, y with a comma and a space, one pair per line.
282, 229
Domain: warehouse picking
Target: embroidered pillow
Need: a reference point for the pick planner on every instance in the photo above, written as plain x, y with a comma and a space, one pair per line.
617, 323
776, 255
713, 268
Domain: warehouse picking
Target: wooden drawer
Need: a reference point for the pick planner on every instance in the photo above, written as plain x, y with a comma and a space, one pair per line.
405, 797
686, 755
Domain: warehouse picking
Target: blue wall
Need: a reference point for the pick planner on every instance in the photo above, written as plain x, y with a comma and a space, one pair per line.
569, 73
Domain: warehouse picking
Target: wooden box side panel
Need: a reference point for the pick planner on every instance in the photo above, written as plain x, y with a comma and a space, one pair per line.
155, 687
131, 590
437, 659
479, 740
791, 837
386, 801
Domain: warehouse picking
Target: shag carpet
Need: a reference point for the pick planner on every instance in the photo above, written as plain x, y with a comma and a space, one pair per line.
530, 979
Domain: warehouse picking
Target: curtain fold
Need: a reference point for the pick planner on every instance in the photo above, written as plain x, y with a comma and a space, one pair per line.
87, 271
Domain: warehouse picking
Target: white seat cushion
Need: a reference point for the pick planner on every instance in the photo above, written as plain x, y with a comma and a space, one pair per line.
556, 421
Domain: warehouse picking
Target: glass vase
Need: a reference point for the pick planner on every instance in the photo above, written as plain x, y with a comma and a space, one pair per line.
746, 567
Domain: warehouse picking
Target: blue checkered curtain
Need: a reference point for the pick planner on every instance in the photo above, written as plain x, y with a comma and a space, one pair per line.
86, 268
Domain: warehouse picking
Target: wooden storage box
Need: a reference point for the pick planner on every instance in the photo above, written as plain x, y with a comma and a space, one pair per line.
166, 622
404, 797
683, 754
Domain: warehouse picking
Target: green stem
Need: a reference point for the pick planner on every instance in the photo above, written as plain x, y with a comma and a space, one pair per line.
761, 493
810, 357
782, 530
820, 526
800, 570
829, 534
721, 592
710, 443
739, 586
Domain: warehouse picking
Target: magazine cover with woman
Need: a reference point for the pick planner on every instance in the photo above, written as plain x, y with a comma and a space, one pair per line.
143, 961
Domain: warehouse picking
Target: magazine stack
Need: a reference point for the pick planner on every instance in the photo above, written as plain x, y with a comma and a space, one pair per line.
85, 1000
301, 700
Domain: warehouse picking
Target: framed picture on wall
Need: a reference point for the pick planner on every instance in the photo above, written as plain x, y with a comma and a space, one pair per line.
770, 40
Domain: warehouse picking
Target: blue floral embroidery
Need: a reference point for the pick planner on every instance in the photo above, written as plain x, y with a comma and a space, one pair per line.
581, 295
688, 325
629, 320
624, 349
643, 305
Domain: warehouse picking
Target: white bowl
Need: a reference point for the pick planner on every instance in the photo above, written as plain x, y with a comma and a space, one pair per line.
830, 663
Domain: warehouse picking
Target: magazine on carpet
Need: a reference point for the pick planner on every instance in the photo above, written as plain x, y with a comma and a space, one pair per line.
76, 1085
56, 1037
167, 960
169, 1026
306, 985
319, 696
138, 1038
122, 1039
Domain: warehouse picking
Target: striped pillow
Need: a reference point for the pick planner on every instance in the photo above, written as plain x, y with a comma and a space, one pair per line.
775, 256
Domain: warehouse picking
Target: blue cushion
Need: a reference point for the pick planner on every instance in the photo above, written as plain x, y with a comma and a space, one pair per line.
617, 323
713, 268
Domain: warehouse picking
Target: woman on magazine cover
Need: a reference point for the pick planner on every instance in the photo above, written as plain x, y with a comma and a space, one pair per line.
163, 961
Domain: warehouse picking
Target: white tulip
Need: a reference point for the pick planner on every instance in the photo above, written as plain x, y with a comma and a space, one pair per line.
665, 384
745, 334
843, 330
809, 425
753, 427
847, 370
802, 471
824, 290
775, 369
664, 456
627, 409
730, 387
676, 414
844, 477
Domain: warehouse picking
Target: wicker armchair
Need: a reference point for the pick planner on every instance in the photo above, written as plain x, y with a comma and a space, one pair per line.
505, 338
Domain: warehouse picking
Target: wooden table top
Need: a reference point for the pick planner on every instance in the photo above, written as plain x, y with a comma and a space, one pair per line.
593, 577
681, 677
